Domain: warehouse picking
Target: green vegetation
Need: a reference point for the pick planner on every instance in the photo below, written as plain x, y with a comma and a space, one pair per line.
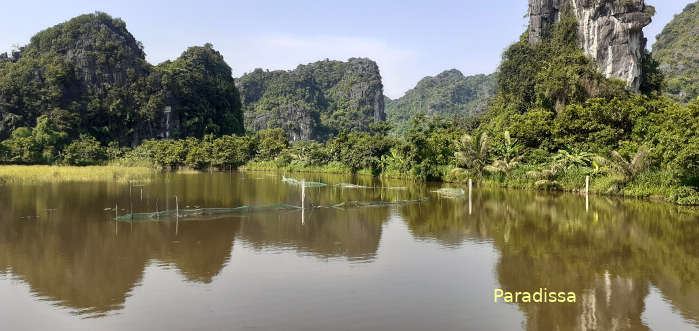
89, 76
449, 94
553, 121
678, 55
37, 174
314, 101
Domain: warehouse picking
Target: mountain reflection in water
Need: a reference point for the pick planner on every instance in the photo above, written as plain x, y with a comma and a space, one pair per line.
610, 254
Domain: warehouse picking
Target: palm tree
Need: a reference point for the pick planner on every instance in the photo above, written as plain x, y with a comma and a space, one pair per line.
631, 168
565, 160
472, 153
509, 160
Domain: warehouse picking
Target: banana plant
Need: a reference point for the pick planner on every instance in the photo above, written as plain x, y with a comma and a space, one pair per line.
472, 152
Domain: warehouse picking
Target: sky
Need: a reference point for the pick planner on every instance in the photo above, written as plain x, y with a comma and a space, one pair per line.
408, 39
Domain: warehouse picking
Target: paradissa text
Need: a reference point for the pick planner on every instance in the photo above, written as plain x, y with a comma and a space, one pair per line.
543, 295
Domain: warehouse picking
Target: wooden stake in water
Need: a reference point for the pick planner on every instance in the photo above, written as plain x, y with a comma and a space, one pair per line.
130, 202
303, 200
116, 215
177, 215
587, 203
587, 184
470, 187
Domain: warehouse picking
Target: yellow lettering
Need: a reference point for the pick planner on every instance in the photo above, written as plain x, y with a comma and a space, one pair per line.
538, 295
508, 296
497, 294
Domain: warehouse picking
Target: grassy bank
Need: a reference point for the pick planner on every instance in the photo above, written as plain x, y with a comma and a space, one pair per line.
654, 185
331, 168
34, 174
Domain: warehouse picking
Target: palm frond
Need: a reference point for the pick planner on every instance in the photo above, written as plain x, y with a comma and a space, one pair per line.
484, 145
638, 164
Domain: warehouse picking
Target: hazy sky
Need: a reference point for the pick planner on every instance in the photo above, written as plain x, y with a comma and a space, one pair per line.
409, 39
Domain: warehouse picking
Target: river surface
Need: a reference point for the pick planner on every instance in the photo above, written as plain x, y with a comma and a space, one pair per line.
394, 256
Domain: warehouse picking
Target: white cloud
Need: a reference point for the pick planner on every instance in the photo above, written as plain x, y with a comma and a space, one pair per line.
398, 66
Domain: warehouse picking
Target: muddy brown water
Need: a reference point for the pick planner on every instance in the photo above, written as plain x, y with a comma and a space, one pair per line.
433, 265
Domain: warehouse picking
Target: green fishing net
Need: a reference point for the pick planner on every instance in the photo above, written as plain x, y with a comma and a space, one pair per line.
450, 192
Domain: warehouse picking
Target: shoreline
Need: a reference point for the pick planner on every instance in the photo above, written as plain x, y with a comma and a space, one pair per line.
658, 198
41, 174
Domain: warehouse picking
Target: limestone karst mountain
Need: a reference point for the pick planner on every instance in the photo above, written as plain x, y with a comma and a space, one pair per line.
677, 50
449, 94
314, 101
609, 31
89, 75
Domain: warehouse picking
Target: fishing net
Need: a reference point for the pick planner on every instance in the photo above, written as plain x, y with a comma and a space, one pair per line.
207, 213
450, 192
355, 186
355, 204
306, 183
198, 212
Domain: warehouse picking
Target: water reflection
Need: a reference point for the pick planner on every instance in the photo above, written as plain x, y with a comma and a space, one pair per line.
609, 255
608, 251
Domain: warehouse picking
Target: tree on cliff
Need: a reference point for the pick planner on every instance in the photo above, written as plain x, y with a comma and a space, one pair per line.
314, 101
90, 75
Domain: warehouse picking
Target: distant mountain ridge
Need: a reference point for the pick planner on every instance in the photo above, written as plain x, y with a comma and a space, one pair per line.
448, 94
677, 50
316, 100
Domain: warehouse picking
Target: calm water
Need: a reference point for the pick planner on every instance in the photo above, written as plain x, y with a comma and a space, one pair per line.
434, 265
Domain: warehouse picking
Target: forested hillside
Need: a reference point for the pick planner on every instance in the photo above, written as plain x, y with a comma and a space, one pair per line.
449, 94
551, 116
314, 101
677, 50
88, 76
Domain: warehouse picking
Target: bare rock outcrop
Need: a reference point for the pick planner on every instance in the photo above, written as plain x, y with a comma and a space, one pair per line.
609, 31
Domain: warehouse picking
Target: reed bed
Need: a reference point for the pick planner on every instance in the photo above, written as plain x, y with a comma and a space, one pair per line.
36, 174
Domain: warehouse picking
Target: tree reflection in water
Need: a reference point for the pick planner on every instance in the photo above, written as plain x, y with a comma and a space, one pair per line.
608, 254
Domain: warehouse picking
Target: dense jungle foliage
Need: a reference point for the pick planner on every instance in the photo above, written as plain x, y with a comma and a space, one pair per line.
314, 101
449, 94
89, 76
553, 121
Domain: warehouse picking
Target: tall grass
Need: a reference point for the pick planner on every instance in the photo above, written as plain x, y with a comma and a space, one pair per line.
331, 168
20, 174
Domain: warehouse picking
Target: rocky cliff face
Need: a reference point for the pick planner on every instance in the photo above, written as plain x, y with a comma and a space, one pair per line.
314, 101
89, 75
609, 31
100, 48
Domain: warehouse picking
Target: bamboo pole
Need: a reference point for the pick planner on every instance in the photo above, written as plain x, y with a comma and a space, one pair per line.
587, 203
130, 202
177, 215
470, 204
587, 184
303, 200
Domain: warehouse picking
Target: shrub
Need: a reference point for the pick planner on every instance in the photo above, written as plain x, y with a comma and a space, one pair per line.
84, 151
